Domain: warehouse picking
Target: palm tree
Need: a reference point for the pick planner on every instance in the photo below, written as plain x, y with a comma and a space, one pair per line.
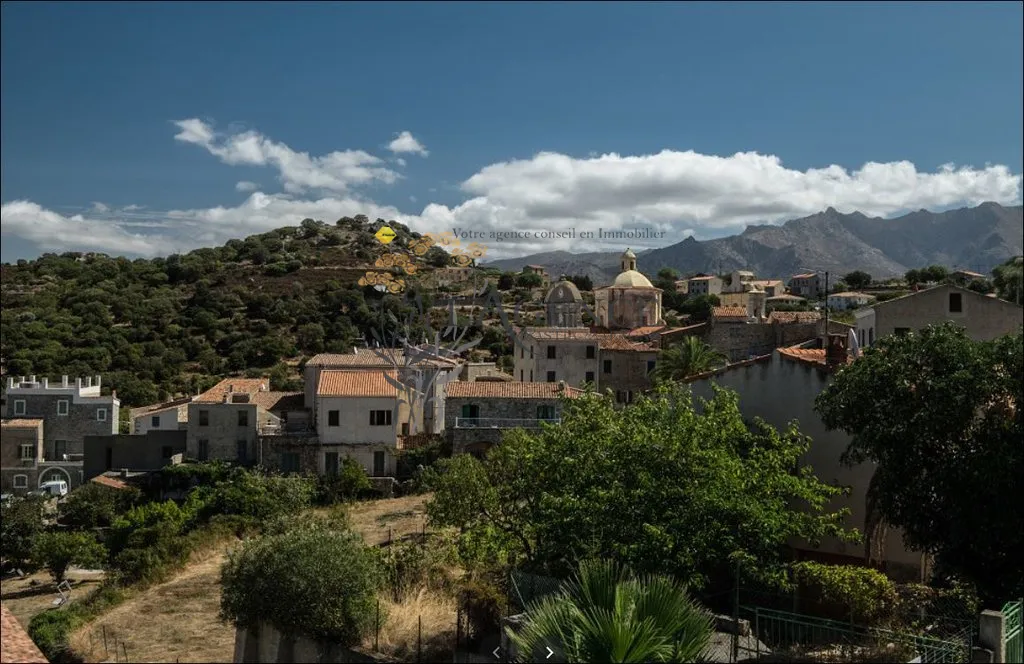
689, 358
607, 614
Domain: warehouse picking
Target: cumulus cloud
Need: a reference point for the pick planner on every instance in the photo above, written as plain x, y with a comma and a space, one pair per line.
406, 142
400, 161
245, 185
680, 193
298, 172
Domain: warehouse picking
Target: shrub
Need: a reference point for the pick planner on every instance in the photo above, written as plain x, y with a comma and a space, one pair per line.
146, 525
310, 580
350, 482
21, 520
50, 631
862, 592
57, 551
482, 603
248, 493
96, 506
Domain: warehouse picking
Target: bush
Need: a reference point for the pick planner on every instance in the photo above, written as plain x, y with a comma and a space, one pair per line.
350, 483
96, 506
860, 592
250, 494
50, 631
21, 520
482, 602
57, 551
310, 580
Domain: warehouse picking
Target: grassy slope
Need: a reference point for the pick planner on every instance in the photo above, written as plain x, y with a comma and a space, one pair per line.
178, 621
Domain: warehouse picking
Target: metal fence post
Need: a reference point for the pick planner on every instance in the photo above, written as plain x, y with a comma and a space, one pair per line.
419, 638
376, 629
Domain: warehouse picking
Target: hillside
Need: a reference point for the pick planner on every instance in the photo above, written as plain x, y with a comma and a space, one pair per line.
175, 324
976, 238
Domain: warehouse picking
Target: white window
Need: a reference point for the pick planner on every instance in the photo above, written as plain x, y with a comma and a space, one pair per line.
19, 407
62, 407
101, 414
27, 451
21, 481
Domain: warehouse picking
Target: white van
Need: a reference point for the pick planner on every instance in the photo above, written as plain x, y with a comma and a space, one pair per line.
55, 488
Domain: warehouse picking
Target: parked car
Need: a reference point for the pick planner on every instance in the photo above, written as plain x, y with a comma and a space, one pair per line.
52, 489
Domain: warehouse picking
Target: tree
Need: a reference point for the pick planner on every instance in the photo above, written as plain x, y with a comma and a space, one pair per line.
311, 581
689, 358
666, 279
507, 281
583, 282
96, 506
700, 307
607, 614
940, 416
56, 551
1008, 279
658, 486
437, 257
913, 277
858, 279
529, 280
21, 520
934, 274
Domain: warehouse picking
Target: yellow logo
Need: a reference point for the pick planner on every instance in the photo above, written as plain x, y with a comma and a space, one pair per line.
386, 234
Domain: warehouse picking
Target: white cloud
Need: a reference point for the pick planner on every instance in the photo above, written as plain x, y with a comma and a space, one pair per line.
245, 185
400, 161
298, 172
406, 142
681, 193
100, 207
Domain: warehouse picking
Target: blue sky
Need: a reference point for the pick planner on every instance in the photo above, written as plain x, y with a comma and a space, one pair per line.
531, 116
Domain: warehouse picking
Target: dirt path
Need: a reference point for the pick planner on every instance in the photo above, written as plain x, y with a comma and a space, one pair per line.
177, 621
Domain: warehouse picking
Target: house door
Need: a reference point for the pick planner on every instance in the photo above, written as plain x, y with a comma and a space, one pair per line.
378, 464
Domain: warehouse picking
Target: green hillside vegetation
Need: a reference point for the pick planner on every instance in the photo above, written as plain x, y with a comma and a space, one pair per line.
158, 327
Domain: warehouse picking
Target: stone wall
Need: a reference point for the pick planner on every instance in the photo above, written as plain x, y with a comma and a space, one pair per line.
81, 420
265, 644
739, 341
521, 409
222, 432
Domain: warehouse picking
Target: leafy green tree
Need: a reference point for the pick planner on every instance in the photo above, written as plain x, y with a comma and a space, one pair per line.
659, 486
96, 506
699, 308
437, 257
858, 279
311, 580
1008, 279
935, 274
583, 282
349, 483
529, 280
913, 277
666, 279
690, 357
21, 520
607, 614
56, 551
940, 416
507, 281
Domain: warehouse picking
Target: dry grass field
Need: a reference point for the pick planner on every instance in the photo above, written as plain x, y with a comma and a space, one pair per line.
177, 621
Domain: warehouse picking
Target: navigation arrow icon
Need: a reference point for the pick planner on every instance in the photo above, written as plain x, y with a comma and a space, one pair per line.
550, 653
496, 652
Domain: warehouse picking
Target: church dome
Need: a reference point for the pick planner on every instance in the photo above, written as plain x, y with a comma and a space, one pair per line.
564, 292
632, 279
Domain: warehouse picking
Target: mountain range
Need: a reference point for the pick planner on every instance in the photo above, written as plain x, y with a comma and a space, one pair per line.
977, 238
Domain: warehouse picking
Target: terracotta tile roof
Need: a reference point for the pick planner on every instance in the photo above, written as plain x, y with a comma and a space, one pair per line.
787, 317
15, 644
808, 275
701, 278
496, 376
850, 294
21, 423
785, 298
968, 273
113, 483
152, 408
814, 356
767, 282
278, 401
248, 386
645, 330
513, 390
356, 383
621, 342
729, 312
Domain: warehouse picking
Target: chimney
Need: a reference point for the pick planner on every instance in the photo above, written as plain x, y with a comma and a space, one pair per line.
231, 388
46, 383
63, 381
561, 386
835, 351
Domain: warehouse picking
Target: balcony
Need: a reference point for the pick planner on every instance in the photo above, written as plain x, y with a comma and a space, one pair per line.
502, 423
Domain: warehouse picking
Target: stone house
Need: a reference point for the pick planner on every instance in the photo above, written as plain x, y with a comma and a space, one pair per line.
479, 413
807, 285
780, 387
848, 300
539, 271
739, 281
224, 421
420, 369
363, 414
68, 412
984, 318
704, 286
167, 416
771, 287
